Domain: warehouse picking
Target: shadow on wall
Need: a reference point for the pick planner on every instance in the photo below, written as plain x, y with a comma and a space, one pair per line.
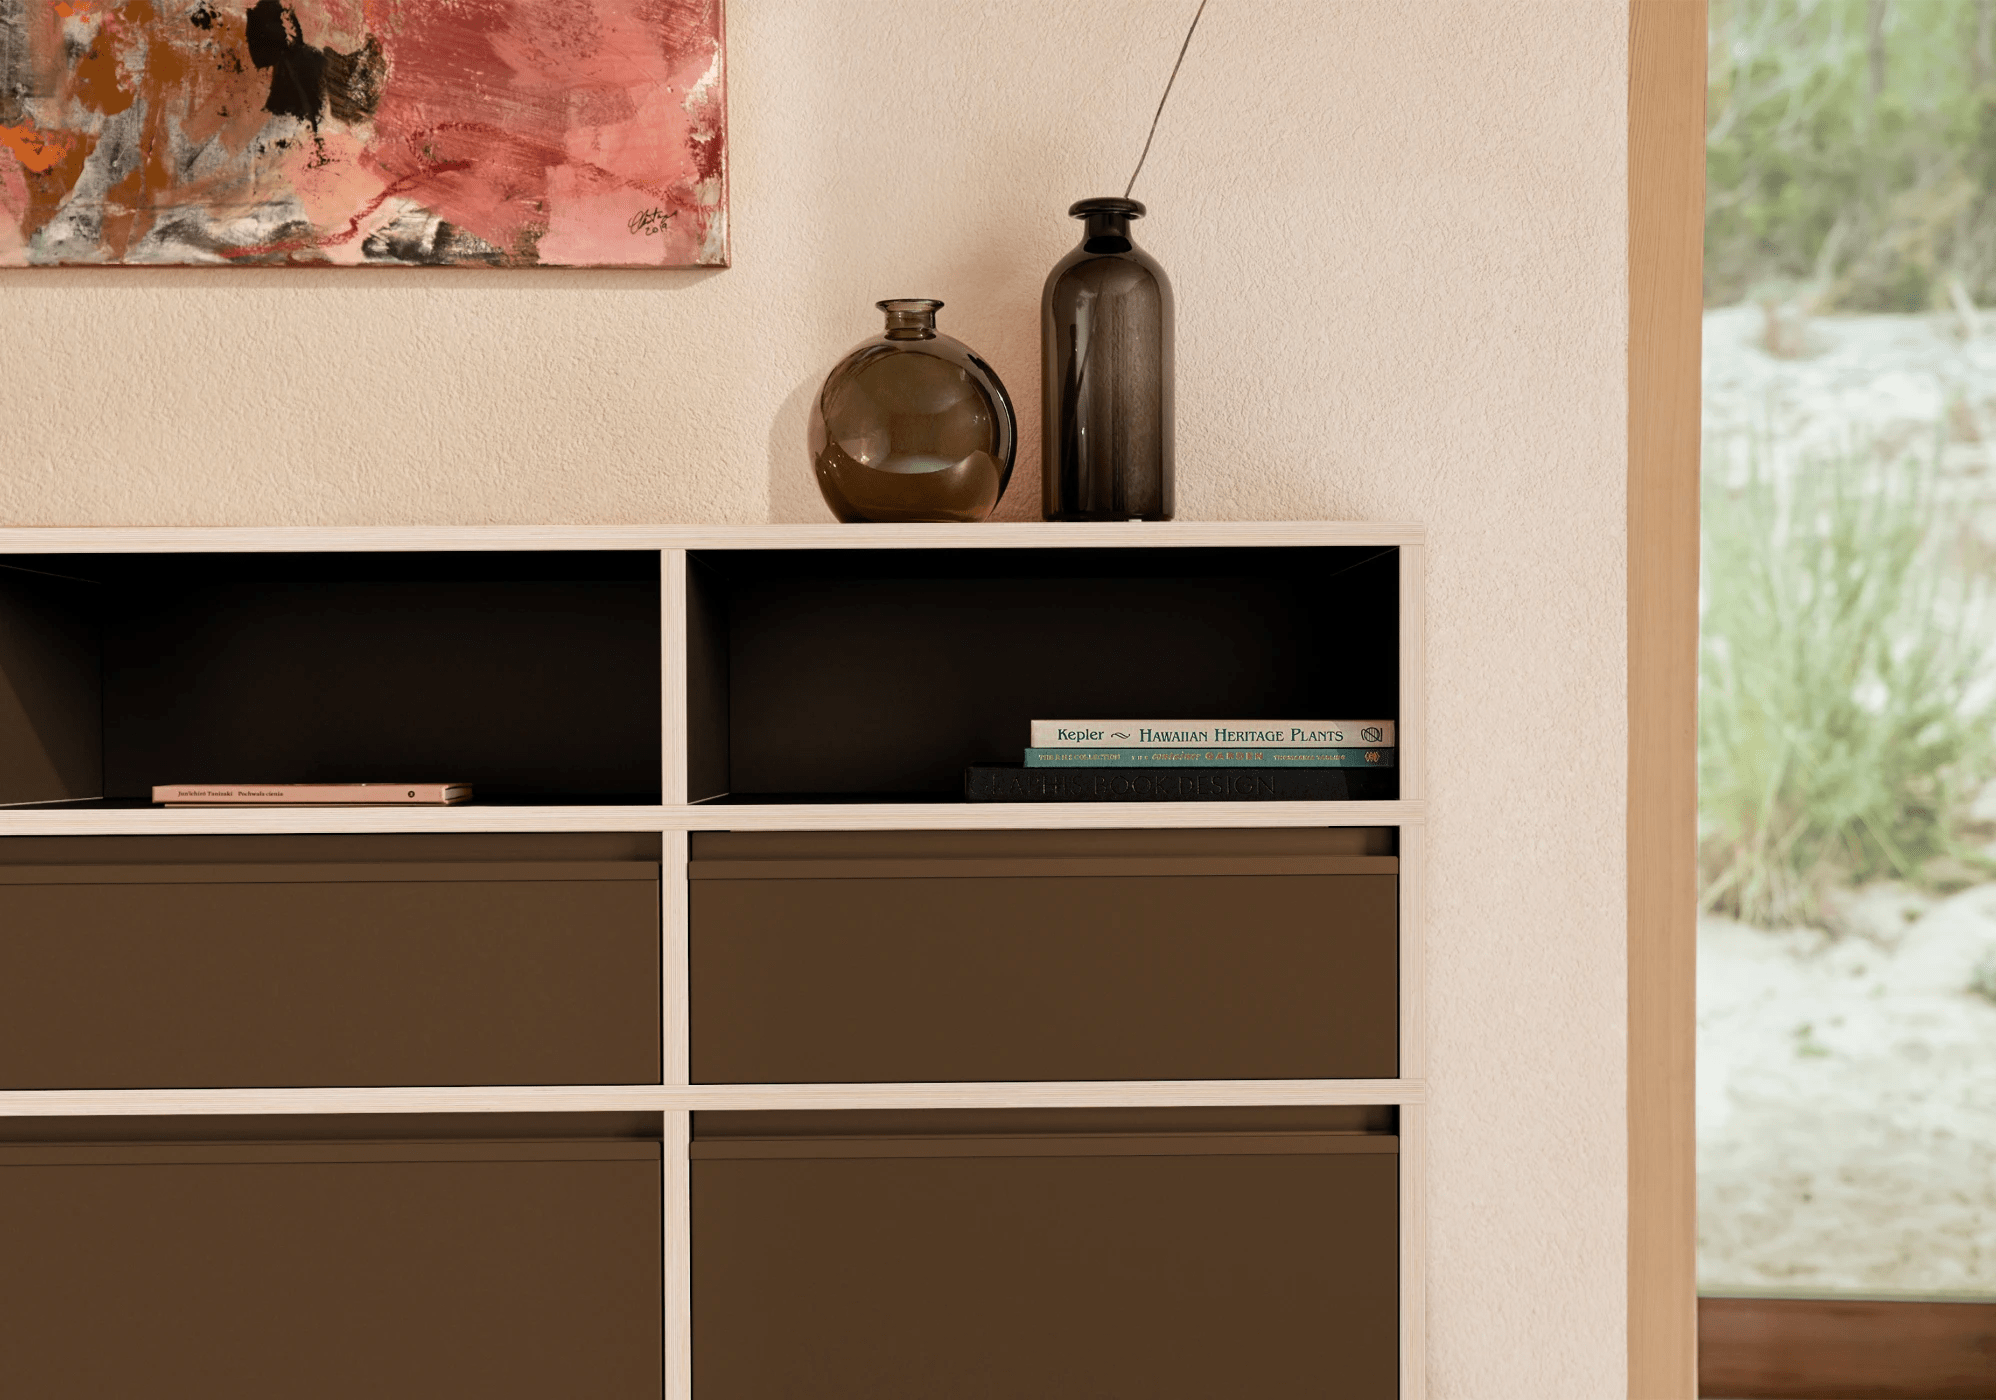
793, 491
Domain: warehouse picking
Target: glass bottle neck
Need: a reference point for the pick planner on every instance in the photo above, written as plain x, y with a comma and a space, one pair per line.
911, 323
1107, 231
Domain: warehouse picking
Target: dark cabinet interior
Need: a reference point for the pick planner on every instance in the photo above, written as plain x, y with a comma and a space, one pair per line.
881, 674
327, 1258
336, 961
924, 957
1065, 1256
534, 677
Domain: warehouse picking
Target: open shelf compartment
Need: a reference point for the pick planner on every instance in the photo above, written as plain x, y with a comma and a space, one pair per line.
533, 676
872, 675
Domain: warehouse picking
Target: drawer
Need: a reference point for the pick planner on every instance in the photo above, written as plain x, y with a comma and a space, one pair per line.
1062, 1256
322, 1270
318, 964
930, 957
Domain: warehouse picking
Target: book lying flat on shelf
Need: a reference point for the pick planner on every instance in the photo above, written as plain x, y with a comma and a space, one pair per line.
1186, 733
1000, 783
1209, 758
312, 794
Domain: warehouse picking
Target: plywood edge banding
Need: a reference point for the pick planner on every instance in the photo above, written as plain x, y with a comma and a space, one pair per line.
396, 872
678, 1229
829, 816
1006, 535
1047, 1145
1049, 816
1039, 867
195, 1153
1202, 1093
1413, 1251
327, 821
672, 675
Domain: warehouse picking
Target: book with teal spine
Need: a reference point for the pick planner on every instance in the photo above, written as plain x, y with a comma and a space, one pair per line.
1008, 783
1232, 733
1210, 758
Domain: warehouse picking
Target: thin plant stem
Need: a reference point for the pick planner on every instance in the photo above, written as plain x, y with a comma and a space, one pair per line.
1164, 99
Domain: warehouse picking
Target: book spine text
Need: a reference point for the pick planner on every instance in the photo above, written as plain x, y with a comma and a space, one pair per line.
1232, 733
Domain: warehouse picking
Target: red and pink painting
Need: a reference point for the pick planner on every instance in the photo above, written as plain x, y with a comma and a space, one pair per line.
503, 133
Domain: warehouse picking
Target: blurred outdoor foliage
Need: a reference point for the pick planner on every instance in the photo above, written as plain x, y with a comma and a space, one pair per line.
1851, 153
1841, 735
1844, 719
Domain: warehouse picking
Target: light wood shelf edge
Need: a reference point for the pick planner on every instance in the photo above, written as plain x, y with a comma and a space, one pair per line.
1413, 1251
583, 1098
678, 1187
1413, 734
1413, 975
672, 674
675, 935
1009, 535
1413, 953
887, 816
326, 821
993, 816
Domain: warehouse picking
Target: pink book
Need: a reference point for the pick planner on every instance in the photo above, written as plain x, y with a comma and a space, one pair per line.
311, 794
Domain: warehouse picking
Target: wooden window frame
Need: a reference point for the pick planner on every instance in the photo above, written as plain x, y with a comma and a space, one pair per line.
1758, 1347
1666, 192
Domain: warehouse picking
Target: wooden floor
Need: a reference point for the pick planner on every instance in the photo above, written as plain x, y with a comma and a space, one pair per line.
1845, 1349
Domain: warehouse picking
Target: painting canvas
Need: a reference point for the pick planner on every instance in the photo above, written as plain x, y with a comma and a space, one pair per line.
504, 133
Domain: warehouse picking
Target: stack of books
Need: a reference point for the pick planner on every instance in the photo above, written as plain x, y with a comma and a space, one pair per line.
1195, 761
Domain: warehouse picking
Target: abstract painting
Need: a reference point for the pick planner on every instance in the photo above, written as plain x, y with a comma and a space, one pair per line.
501, 133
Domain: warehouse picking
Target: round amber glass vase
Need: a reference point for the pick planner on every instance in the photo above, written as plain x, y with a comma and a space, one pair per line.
913, 425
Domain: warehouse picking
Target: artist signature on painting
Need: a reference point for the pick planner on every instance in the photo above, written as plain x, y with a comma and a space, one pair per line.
650, 221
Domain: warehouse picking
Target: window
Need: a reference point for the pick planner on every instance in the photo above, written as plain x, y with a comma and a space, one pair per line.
1846, 1099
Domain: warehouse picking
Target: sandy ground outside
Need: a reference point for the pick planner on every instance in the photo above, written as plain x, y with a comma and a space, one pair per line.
1847, 1101
1847, 1081
1858, 381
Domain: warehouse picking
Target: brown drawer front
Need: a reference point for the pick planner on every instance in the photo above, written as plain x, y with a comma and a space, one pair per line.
328, 974
1063, 1267
947, 966
404, 1271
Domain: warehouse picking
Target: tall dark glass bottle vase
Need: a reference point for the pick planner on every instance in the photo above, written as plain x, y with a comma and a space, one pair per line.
1106, 373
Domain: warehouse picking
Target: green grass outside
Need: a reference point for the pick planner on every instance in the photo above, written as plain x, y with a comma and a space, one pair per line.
1840, 737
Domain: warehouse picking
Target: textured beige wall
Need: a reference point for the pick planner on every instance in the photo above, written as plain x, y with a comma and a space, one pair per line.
1396, 231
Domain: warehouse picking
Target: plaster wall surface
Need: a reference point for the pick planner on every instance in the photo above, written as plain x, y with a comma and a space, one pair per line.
1396, 230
